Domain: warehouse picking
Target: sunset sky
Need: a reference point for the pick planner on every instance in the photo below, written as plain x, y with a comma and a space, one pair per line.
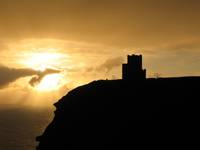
48, 47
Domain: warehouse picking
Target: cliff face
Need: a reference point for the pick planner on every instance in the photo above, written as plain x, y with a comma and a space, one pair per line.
120, 114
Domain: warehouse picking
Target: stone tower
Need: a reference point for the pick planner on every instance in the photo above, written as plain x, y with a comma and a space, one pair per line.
133, 69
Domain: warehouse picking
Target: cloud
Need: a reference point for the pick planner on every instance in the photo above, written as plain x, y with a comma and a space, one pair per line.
9, 75
116, 22
38, 78
110, 64
190, 46
107, 66
3, 46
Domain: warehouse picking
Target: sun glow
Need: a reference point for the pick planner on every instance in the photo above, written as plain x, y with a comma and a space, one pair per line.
41, 61
46, 60
50, 83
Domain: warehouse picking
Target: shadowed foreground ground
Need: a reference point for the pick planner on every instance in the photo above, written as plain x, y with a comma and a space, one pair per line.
154, 113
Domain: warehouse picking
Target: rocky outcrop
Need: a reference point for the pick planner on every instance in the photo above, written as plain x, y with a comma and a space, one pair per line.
119, 114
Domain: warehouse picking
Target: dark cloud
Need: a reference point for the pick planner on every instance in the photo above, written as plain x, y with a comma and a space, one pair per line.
9, 75
37, 79
116, 22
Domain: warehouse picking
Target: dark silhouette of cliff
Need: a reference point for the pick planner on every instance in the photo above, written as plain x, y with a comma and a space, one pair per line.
126, 114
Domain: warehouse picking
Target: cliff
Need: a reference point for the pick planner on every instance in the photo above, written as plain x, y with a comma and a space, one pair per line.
110, 114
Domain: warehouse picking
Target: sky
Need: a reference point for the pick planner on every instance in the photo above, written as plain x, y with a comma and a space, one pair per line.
48, 47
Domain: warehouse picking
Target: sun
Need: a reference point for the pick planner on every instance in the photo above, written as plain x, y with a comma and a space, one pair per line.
50, 83
41, 61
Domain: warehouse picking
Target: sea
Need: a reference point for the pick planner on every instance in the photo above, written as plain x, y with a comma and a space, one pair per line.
19, 126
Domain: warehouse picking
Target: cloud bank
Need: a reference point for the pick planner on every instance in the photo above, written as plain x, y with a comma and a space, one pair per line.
116, 22
9, 75
110, 64
107, 66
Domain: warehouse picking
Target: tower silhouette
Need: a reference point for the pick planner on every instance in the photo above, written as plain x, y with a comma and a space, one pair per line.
133, 69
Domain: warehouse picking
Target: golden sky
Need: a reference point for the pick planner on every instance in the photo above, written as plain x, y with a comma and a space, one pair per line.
88, 40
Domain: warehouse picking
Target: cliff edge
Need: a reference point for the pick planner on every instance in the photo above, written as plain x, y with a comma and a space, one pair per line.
110, 114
